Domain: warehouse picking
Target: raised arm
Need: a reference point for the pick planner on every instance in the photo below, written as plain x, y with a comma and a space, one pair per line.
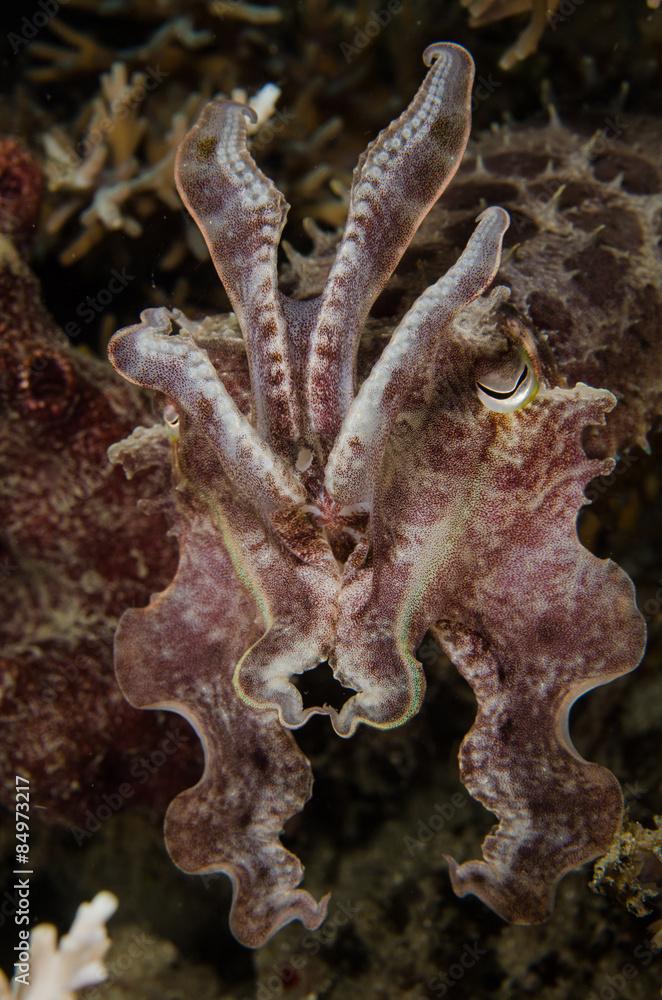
241, 216
396, 182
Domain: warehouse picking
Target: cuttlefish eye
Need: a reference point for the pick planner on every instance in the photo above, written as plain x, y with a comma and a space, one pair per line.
507, 389
171, 420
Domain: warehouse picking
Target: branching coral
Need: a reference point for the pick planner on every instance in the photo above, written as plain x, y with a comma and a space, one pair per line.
87, 55
57, 971
100, 175
330, 517
543, 14
192, 55
101, 178
486, 11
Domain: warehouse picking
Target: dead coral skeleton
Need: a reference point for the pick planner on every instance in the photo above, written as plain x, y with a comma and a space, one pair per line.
304, 131
249, 13
631, 871
486, 11
86, 55
55, 971
100, 176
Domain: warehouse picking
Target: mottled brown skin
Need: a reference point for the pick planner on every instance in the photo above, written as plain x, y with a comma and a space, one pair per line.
76, 550
582, 256
255, 777
454, 473
585, 271
527, 631
479, 511
21, 184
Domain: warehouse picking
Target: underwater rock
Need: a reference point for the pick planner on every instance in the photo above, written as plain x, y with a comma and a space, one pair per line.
79, 544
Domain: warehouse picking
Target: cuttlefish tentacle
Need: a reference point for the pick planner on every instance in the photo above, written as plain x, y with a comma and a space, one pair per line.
354, 461
149, 355
397, 180
241, 215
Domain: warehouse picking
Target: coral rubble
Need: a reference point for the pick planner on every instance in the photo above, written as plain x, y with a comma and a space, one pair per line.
632, 869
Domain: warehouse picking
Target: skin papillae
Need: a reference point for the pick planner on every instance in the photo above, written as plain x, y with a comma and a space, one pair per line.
323, 520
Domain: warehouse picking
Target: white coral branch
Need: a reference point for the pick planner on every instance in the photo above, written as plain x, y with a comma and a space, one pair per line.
57, 971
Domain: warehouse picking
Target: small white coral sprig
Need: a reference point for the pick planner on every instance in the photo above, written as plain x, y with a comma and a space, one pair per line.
58, 970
